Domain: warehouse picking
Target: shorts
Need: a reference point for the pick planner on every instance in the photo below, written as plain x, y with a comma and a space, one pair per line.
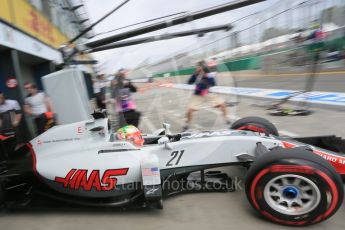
199, 102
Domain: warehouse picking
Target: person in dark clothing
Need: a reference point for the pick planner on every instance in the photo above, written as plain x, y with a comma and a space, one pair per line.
99, 87
10, 119
124, 103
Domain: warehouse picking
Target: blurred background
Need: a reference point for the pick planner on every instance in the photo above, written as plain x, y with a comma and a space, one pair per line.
283, 60
270, 47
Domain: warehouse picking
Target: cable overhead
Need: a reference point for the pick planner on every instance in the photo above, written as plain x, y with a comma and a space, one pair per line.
139, 23
97, 22
160, 37
259, 23
68, 57
173, 22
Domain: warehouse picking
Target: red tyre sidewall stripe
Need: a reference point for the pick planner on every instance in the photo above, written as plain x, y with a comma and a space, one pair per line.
305, 169
298, 223
318, 219
275, 168
253, 187
335, 196
252, 128
332, 185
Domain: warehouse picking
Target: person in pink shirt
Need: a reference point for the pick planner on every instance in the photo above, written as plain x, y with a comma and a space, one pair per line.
203, 80
124, 102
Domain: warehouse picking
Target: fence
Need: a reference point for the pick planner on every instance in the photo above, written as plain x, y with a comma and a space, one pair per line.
263, 39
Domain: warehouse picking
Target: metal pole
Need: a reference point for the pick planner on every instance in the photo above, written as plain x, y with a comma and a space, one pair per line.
19, 77
175, 21
159, 38
97, 22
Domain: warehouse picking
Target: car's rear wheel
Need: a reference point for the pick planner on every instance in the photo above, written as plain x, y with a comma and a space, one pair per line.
255, 124
294, 187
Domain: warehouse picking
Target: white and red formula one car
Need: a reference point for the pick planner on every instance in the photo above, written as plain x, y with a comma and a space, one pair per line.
289, 181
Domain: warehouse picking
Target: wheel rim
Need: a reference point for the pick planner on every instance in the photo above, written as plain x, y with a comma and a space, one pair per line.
292, 194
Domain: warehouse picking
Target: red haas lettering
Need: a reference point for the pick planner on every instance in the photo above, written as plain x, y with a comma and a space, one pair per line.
77, 179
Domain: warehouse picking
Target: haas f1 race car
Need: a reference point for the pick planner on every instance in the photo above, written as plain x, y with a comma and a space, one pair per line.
290, 181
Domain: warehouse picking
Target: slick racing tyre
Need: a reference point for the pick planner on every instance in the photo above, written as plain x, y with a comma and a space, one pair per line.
294, 187
255, 124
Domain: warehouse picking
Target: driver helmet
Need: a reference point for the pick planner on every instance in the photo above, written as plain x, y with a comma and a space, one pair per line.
131, 134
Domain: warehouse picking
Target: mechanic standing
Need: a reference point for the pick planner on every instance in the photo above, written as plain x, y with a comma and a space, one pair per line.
99, 88
10, 118
203, 80
124, 103
38, 105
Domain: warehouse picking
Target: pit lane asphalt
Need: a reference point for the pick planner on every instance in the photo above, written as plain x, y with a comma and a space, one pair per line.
188, 211
323, 81
169, 105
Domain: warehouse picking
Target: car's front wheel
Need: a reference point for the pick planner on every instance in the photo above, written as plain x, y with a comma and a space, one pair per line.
294, 187
256, 124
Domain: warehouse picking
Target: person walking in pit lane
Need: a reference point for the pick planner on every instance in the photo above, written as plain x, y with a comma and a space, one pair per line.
99, 88
203, 80
38, 105
124, 103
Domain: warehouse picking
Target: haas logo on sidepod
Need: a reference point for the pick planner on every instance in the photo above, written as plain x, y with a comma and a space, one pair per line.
78, 179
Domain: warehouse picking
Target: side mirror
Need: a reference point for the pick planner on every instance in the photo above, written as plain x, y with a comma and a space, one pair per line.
99, 129
159, 132
99, 114
166, 127
168, 146
166, 142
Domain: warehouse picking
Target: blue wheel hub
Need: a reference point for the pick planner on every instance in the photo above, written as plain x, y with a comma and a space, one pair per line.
290, 192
